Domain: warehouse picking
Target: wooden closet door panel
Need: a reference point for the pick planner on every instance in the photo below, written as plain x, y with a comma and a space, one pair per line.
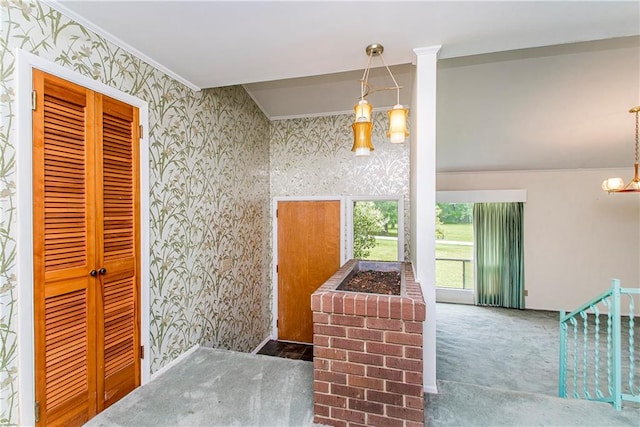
118, 243
64, 251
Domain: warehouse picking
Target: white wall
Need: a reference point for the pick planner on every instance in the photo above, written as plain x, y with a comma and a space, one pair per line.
576, 237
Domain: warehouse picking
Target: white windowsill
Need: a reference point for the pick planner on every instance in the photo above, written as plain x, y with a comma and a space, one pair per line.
455, 296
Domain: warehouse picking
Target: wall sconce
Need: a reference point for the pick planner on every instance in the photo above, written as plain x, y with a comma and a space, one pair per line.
362, 126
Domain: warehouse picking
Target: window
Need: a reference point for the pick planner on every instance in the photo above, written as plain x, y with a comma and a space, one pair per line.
377, 230
455, 281
454, 246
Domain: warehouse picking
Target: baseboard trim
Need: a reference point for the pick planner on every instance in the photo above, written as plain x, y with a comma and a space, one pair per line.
174, 362
431, 389
262, 344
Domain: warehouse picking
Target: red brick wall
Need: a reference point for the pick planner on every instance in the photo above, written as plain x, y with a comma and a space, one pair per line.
368, 355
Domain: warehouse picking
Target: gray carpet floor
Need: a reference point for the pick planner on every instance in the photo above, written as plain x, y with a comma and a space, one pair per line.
220, 388
495, 367
499, 348
459, 404
498, 366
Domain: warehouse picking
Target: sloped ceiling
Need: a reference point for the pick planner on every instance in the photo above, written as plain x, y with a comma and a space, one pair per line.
558, 107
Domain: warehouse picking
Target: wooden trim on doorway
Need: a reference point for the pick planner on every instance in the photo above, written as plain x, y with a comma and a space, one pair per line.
25, 62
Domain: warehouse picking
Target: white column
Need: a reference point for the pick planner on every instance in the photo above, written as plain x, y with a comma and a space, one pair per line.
423, 198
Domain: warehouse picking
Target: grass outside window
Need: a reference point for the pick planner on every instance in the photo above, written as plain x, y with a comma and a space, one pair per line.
450, 274
386, 249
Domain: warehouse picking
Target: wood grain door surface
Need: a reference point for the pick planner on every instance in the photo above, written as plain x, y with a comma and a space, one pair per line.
86, 250
308, 255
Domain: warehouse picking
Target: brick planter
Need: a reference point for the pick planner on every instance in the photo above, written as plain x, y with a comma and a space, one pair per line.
368, 352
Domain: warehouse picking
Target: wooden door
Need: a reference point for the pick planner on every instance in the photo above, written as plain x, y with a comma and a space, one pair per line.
75, 301
118, 248
308, 255
64, 251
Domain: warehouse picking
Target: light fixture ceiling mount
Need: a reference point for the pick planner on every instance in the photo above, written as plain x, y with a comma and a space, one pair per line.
363, 125
616, 185
374, 49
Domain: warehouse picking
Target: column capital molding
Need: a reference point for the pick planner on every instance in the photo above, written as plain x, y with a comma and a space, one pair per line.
427, 50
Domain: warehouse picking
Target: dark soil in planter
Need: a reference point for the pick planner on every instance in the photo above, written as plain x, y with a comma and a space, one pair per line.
373, 282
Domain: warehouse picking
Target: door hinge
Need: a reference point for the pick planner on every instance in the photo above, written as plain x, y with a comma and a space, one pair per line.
37, 410
276, 268
141, 135
276, 213
141, 352
277, 323
34, 97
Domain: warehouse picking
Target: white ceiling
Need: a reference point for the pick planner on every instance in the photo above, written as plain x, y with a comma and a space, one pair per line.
555, 107
220, 43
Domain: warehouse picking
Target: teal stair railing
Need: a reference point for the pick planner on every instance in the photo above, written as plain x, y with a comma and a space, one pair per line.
598, 350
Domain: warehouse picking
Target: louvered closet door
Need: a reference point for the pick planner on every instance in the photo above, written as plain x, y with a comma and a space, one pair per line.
64, 251
118, 243
86, 246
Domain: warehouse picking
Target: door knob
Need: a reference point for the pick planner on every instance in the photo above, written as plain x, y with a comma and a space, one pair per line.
93, 273
102, 271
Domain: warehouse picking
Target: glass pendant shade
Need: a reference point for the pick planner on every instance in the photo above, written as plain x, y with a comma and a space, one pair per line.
398, 124
362, 138
363, 111
612, 184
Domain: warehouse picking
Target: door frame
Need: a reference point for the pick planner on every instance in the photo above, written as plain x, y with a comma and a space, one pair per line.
25, 62
377, 198
274, 246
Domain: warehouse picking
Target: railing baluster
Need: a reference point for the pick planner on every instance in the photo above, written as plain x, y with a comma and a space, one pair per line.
563, 355
585, 360
574, 323
609, 325
631, 342
617, 352
596, 313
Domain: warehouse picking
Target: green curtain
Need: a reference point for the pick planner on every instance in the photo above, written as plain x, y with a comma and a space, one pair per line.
499, 254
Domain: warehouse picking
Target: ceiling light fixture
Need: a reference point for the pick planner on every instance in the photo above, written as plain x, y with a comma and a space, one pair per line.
362, 126
616, 185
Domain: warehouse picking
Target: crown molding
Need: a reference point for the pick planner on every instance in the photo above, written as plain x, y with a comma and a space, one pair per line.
116, 41
311, 115
328, 113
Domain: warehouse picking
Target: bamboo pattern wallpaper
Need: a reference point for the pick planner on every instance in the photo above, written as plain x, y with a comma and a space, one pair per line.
313, 157
209, 184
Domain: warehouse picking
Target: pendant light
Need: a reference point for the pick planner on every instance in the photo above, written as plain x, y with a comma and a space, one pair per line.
363, 125
616, 185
